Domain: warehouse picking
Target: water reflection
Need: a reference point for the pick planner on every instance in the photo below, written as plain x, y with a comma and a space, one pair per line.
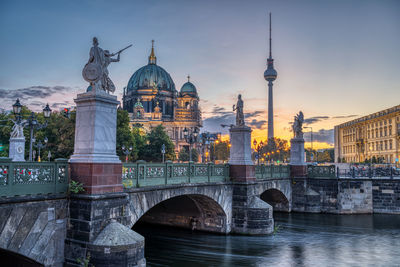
303, 240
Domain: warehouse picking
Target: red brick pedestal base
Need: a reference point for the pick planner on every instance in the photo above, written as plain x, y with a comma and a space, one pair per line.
98, 178
242, 173
298, 170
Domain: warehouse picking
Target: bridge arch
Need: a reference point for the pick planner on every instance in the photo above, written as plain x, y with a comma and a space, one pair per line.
276, 199
200, 207
11, 258
277, 193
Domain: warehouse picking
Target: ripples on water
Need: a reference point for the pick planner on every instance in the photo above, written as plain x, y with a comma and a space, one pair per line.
302, 240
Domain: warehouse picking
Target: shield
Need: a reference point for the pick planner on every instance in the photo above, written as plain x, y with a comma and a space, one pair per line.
92, 72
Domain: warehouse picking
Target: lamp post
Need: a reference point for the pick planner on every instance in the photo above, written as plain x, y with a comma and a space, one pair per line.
312, 155
258, 149
216, 142
40, 146
30, 122
163, 152
126, 152
190, 138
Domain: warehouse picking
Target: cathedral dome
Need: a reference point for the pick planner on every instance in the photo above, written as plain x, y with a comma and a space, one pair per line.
150, 75
188, 88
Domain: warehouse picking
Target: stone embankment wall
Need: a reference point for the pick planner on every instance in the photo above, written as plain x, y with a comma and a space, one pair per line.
346, 196
34, 227
386, 196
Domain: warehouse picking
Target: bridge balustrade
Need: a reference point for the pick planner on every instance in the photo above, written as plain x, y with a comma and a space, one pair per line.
272, 171
141, 174
33, 178
321, 171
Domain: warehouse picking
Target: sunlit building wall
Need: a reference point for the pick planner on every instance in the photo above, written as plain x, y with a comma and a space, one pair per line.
375, 135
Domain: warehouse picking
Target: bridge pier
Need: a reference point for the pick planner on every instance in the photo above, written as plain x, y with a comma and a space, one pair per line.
97, 217
250, 215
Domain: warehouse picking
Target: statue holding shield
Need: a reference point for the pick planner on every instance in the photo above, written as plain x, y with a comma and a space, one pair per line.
95, 71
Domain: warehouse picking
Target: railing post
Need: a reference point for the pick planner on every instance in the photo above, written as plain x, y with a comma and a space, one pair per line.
190, 163
337, 172
353, 174
11, 178
391, 172
370, 172
209, 171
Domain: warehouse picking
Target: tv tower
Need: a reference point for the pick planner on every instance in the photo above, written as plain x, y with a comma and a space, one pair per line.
270, 75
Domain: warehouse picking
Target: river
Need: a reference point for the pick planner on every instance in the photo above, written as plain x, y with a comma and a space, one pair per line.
300, 240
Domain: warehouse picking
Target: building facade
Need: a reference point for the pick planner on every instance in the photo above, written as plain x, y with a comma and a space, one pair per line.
373, 136
151, 99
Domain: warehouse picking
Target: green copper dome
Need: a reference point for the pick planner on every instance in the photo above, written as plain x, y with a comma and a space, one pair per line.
150, 75
188, 88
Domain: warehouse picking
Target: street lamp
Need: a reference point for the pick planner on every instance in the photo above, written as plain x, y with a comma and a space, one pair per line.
190, 138
126, 151
30, 122
40, 146
258, 149
163, 152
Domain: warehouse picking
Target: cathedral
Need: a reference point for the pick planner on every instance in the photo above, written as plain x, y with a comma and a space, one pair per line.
151, 99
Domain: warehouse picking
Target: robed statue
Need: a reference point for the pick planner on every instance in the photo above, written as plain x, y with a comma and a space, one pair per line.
298, 125
95, 71
239, 111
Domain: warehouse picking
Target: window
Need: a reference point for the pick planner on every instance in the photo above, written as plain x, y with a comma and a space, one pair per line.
386, 145
385, 131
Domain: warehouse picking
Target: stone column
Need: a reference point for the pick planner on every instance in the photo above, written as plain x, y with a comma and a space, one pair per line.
298, 167
250, 214
17, 149
98, 216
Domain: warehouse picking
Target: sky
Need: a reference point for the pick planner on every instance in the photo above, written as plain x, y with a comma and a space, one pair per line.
336, 60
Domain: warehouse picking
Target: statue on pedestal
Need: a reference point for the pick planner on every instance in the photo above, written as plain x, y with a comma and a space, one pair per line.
18, 129
95, 71
239, 111
298, 125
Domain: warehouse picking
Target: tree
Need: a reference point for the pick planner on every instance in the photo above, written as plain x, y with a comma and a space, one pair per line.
220, 150
124, 134
155, 139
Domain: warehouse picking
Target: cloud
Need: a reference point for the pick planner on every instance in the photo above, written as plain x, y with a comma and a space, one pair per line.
315, 119
36, 97
257, 124
324, 136
344, 117
220, 115
33, 91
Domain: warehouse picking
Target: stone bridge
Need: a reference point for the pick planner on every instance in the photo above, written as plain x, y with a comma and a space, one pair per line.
51, 228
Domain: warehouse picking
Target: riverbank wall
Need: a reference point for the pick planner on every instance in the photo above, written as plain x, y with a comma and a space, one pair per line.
346, 196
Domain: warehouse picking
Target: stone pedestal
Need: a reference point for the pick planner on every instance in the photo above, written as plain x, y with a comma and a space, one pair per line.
298, 167
95, 162
17, 149
250, 215
95, 129
240, 151
241, 167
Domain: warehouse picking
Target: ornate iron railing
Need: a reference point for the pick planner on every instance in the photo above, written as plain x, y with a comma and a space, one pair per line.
142, 174
33, 178
321, 171
272, 171
369, 172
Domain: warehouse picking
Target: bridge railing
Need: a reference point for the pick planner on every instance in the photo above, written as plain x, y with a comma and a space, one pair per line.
272, 171
321, 171
142, 174
369, 172
33, 178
